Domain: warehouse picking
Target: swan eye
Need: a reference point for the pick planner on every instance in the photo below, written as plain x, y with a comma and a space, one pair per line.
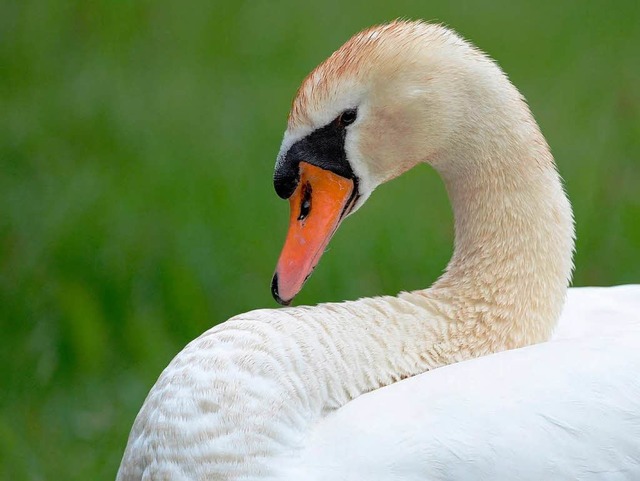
305, 205
348, 117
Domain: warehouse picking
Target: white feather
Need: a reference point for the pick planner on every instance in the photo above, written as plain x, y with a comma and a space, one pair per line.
563, 410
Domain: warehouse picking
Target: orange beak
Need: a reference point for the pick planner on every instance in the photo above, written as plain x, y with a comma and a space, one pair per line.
318, 205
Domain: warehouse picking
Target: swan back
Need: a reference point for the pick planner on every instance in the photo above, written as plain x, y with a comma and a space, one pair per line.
566, 409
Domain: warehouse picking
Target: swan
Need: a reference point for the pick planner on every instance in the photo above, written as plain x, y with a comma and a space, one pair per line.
350, 391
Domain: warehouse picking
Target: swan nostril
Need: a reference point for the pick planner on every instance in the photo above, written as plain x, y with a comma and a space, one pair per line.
304, 209
305, 205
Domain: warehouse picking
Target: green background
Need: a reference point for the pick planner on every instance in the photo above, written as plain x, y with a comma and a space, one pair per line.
137, 142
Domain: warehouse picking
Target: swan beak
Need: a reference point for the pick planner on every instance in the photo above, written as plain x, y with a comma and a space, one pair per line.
318, 205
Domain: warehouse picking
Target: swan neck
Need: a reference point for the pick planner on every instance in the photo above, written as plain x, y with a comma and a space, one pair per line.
514, 236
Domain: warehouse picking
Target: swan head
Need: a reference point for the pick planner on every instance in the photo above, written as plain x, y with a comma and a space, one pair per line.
393, 96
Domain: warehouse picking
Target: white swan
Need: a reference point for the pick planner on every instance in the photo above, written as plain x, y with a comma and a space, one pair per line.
287, 394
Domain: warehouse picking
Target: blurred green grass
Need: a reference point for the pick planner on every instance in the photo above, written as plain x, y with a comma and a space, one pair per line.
137, 142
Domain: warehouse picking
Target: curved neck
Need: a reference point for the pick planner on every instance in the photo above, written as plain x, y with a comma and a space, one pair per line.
250, 390
504, 288
514, 235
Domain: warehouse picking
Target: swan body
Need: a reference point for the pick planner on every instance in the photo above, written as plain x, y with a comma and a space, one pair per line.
562, 410
312, 393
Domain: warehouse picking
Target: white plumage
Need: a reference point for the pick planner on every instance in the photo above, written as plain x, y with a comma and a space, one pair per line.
317, 393
563, 410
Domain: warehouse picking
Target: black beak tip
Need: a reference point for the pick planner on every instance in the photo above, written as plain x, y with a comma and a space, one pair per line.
274, 291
